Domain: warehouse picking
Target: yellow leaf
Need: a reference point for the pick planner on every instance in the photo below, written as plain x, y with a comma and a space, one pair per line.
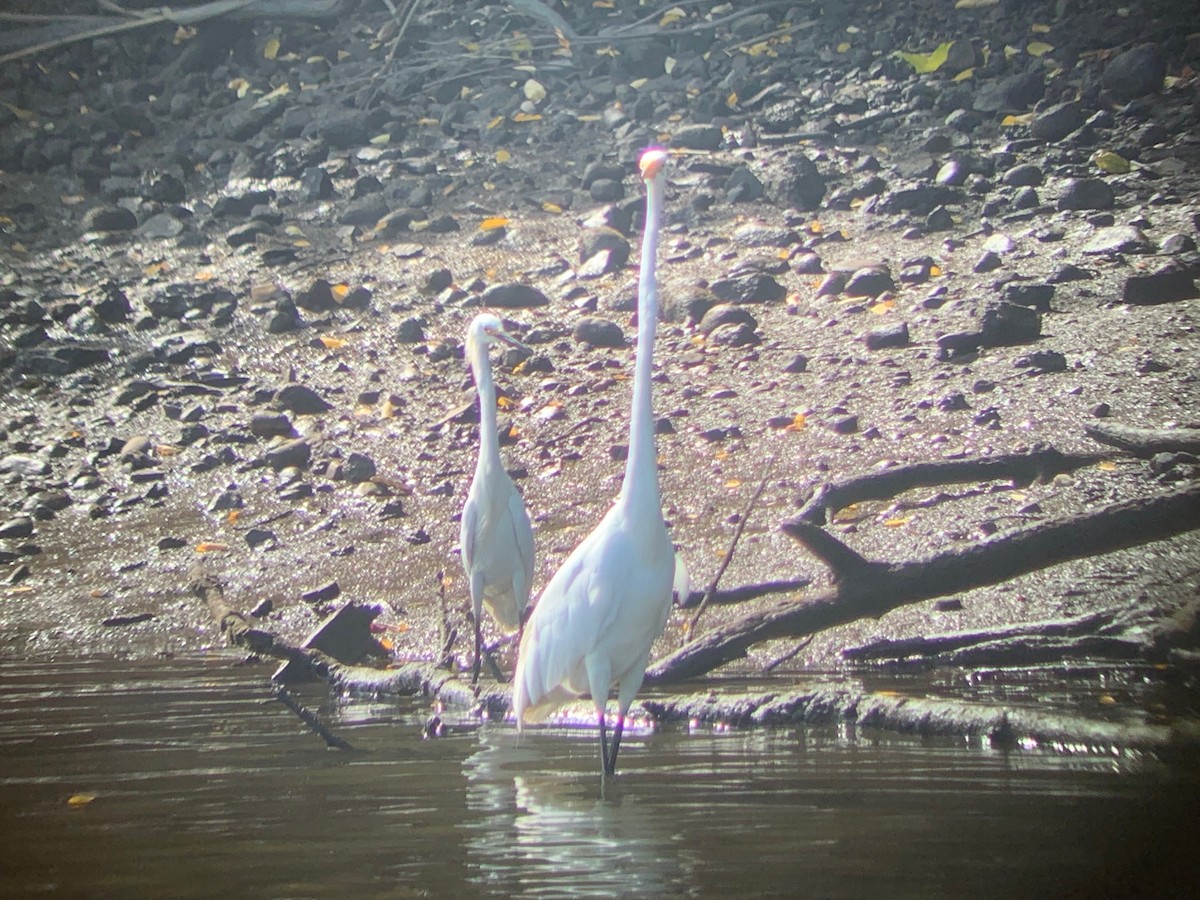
975, 4
493, 223
1106, 465
1010, 51
638, 83
1112, 163
1010, 120
78, 800
503, 156
924, 63
23, 114
271, 49
504, 403
205, 275
1039, 28
669, 64
797, 423
1106, 700
282, 91
549, 207
210, 547
166, 450
603, 4
332, 343
733, 482
380, 139
234, 515
843, 47
526, 117
534, 91
965, 74
469, 46
935, 271
340, 291
1038, 48
671, 16
882, 306
732, 100
183, 33
898, 522
815, 228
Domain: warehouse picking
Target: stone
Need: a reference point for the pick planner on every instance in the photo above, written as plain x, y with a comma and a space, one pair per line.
301, 399
598, 332
887, 337
799, 183
1087, 193
1136, 72
748, 287
513, 296
109, 219
869, 282
1168, 284
1006, 323
698, 137
1036, 296
1055, 122
295, 453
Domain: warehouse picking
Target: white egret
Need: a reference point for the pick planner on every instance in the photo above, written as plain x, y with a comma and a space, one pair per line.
601, 612
495, 538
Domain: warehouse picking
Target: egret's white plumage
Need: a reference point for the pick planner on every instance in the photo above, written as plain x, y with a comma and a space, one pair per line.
603, 609
495, 537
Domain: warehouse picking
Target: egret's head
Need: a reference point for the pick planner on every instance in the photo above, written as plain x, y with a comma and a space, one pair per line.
652, 162
487, 329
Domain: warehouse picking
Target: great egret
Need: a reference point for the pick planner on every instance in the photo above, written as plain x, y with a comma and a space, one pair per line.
495, 538
601, 612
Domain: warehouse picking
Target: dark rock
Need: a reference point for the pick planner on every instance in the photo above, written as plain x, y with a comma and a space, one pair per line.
869, 282
888, 336
831, 285
1177, 243
268, 425
798, 364
939, 219
955, 401
1100, 411
598, 332
748, 287
597, 240
605, 190
1055, 122
367, 212
1169, 284
109, 219
323, 594
16, 527
727, 314
734, 334
411, 330
316, 184
1023, 175
953, 173
1006, 323
246, 233
988, 262
697, 137
239, 206
1087, 193
301, 399
290, 454
318, 298
798, 182
1042, 362
260, 537
1116, 239
1037, 296
958, 343
743, 186
1136, 72
847, 424
513, 296
358, 468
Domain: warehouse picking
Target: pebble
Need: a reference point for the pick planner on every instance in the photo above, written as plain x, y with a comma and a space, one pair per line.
1086, 193
1136, 72
301, 399
598, 332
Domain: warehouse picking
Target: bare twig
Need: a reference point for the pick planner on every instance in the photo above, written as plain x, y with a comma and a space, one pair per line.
309, 718
737, 534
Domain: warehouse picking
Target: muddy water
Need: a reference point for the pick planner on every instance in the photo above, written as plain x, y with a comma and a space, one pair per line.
204, 786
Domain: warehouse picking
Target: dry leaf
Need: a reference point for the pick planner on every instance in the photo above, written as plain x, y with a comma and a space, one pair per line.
924, 63
493, 223
671, 16
210, 547
1106, 465
503, 156
898, 522
526, 117
1039, 28
380, 139
798, 423
534, 91
1112, 163
234, 515
549, 207
965, 74
1038, 48
77, 800
843, 47
340, 291
332, 343
271, 49
1010, 120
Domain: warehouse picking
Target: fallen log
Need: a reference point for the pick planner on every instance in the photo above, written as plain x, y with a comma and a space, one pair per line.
1039, 464
866, 589
1145, 442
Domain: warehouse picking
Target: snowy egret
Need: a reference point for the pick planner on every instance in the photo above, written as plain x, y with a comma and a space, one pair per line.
495, 538
601, 612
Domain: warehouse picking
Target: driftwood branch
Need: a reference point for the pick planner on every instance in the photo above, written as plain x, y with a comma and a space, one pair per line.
873, 589
1146, 442
1039, 464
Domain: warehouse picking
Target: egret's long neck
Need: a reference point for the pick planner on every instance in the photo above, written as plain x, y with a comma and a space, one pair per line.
489, 441
641, 467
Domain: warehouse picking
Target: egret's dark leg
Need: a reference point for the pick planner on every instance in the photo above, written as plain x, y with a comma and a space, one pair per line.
603, 748
616, 745
478, 649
